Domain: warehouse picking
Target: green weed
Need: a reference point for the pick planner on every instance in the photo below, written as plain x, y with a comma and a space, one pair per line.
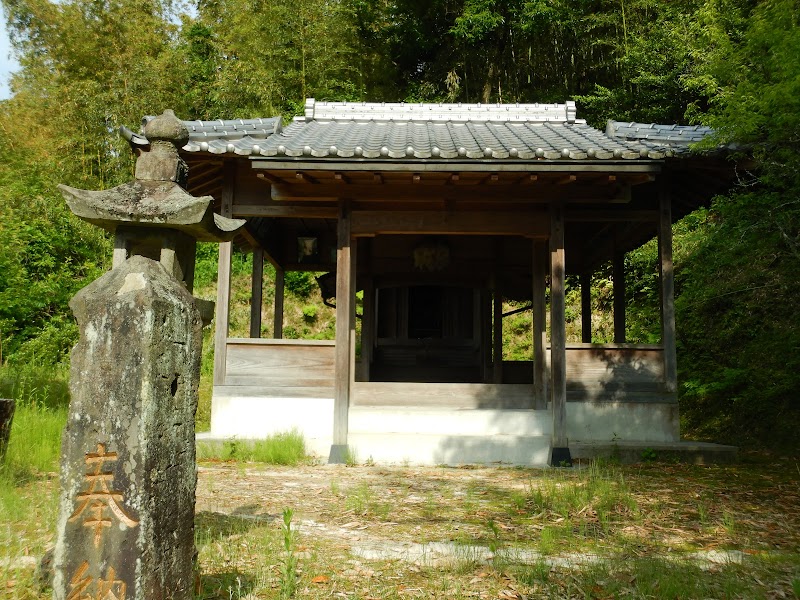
288, 574
363, 501
287, 448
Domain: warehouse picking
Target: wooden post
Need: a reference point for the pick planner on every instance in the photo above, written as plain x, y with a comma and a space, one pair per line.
486, 332
367, 327
345, 334
619, 297
539, 325
277, 320
586, 308
257, 292
667, 290
497, 336
558, 338
222, 314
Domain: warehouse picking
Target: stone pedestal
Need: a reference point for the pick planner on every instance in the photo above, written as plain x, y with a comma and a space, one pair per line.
128, 456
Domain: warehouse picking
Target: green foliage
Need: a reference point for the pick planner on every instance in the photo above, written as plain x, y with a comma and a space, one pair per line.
287, 448
739, 336
300, 283
310, 313
46, 256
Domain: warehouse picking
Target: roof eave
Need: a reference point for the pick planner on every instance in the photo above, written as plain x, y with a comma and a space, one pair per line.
486, 165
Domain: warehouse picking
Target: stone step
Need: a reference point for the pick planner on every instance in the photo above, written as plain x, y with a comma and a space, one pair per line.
453, 450
449, 421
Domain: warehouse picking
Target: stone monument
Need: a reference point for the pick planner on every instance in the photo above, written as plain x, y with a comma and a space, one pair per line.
128, 475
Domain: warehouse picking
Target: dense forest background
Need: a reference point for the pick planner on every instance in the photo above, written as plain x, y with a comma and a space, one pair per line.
89, 66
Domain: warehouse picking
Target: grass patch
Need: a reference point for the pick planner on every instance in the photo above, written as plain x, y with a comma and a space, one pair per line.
36, 385
28, 481
42, 399
35, 444
287, 448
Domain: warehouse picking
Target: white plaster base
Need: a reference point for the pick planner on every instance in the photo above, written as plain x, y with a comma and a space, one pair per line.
258, 417
453, 450
628, 421
437, 435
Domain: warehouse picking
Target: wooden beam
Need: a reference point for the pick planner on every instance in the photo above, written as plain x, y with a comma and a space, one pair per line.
305, 177
250, 237
611, 215
224, 282
566, 179
341, 177
286, 211
345, 333
270, 178
540, 260
619, 296
667, 290
475, 166
586, 308
501, 192
558, 332
277, 319
202, 177
257, 240
460, 223
206, 188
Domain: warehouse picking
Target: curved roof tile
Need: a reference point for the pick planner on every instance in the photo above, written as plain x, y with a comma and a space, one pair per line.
459, 132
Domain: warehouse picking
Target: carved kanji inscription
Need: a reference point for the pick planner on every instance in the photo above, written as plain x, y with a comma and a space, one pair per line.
83, 587
99, 496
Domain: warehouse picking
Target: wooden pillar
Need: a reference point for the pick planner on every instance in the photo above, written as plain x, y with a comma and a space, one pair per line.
222, 314
586, 308
257, 292
539, 325
367, 328
486, 332
277, 320
497, 336
667, 290
619, 297
558, 338
345, 334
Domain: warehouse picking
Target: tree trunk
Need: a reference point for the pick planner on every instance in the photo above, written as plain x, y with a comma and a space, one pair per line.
6, 416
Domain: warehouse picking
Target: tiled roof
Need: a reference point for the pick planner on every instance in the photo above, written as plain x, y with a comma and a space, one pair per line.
438, 112
676, 136
236, 136
457, 132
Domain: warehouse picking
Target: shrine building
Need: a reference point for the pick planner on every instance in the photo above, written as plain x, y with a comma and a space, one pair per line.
429, 217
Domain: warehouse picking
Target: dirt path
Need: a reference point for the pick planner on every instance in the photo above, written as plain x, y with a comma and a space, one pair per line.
487, 529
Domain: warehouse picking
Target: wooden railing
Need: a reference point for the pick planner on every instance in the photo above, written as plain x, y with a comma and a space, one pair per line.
281, 367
